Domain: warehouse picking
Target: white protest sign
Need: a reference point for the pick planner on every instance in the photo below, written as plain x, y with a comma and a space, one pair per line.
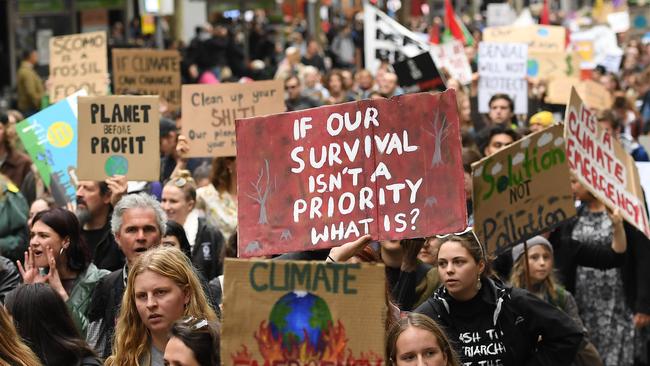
502, 69
500, 14
386, 39
644, 174
451, 57
619, 22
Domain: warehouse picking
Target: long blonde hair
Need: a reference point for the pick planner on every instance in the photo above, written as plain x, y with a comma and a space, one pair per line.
12, 348
518, 278
132, 341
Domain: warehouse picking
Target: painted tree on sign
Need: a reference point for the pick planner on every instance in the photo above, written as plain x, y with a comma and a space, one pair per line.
439, 134
262, 191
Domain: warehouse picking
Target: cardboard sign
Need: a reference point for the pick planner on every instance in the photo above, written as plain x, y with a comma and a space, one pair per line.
522, 191
119, 135
602, 165
303, 313
539, 38
210, 111
50, 138
148, 72
322, 177
550, 65
451, 57
78, 61
559, 90
502, 69
595, 95
386, 39
419, 69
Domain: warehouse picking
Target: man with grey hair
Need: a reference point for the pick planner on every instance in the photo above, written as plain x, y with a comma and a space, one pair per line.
138, 223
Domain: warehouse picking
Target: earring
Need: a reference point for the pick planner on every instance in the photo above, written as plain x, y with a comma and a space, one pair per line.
478, 283
61, 251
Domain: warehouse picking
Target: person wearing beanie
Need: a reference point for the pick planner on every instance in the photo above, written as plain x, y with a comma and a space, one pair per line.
537, 277
540, 121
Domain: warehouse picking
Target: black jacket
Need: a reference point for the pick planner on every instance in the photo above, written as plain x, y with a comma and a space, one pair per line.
522, 318
208, 251
634, 263
107, 254
9, 277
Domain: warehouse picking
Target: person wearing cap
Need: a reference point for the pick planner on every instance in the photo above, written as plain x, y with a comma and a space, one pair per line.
537, 276
540, 121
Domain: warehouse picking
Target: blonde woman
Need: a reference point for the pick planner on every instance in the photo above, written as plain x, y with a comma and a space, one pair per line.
161, 288
12, 349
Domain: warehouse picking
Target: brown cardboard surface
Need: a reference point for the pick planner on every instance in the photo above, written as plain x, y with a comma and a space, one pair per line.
595, 95
523, 190
602, 165
119, 135
78, 61
210, 111
148, 72
540, 38
262, 297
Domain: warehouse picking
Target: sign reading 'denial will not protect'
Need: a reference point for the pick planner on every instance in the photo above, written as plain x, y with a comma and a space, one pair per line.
210, 111
523, 190
148, 72
119, 135
303, 313
502, 69
601, 164
325, 176
78, 61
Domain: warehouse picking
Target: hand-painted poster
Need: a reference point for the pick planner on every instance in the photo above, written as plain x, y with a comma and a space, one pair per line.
119, 135
78, 61
523, 190
148, 72
303, 313
322, 177
502, 69
601, 164
50, 138
210, 111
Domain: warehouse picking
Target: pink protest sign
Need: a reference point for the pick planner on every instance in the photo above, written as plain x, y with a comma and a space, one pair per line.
322, 177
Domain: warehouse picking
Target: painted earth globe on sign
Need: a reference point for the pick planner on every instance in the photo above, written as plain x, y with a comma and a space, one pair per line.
301, 319
116, 165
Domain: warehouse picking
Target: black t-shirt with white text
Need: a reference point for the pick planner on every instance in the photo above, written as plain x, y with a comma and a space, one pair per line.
478, 341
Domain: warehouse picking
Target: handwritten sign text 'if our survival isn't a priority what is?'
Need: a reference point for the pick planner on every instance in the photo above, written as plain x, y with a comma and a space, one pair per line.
321, 177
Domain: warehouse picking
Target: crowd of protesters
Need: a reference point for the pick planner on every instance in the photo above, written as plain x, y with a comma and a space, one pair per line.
132, 274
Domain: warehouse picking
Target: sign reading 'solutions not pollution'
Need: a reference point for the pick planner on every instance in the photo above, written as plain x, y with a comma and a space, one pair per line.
502, 69
303, 313
78, 61
148, 72
210, 111
119, 135
322, 177
602, 165
523, 190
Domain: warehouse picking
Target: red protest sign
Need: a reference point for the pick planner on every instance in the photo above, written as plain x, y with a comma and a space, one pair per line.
321, 177
601, 164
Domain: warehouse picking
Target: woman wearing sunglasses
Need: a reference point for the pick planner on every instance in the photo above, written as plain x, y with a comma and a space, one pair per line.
206, 242
193, 342
162, 288
490, 322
